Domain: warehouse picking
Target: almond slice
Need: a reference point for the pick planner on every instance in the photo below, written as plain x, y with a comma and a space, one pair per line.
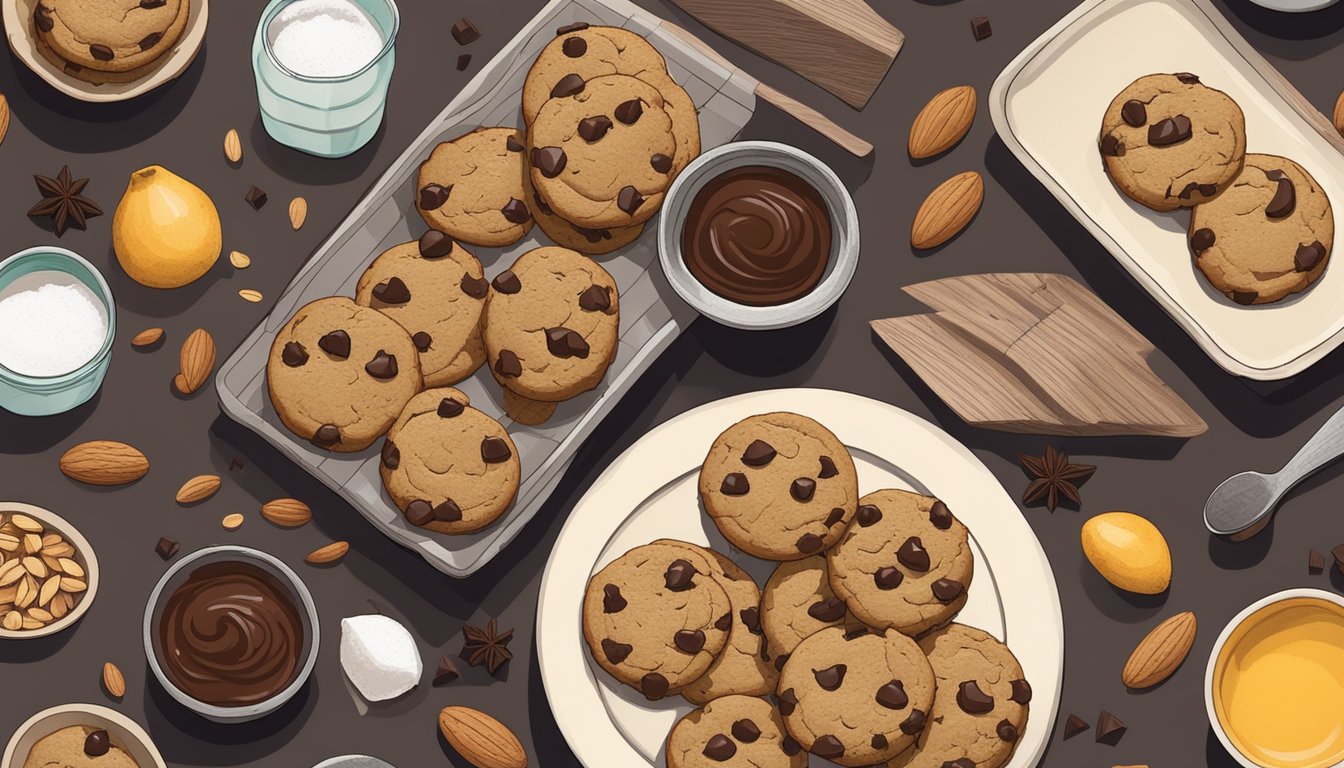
232, 522
233, 147
73, 585
942, 122
8, 542
298, 212
329, 554
250, 295
13, 621
198, 488
239, 260
70, 567
947, 210
35, 567
32, 543
40, 614
48, 590
25, 523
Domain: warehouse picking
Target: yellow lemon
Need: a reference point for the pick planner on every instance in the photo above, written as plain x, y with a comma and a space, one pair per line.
166, 231
1128, 551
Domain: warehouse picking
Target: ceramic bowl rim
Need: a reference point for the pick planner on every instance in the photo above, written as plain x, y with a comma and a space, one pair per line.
132, 728
92, 573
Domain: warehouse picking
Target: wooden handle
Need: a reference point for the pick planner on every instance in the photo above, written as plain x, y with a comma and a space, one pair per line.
805, 114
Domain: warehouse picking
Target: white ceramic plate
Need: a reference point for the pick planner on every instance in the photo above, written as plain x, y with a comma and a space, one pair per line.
650, 492
125, 733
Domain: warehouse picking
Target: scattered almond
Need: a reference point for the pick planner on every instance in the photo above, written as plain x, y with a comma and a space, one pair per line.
942, 122
197, 359
239, 260
4, 116
287, 513
232, 522
250, 295
147, 338
113, 681
103, 462
480, 739
298, 212
1160, 652
233, 146
947, 210
329, 554
198, 488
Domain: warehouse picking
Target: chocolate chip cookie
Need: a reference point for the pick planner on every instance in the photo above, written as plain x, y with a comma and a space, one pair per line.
551, 324
1268, 236
436, 290
798, 602
733, 732
981, 706
779, 486
1169, 141
111, 36
475, 188
856, 698
447, 466
592, 242
905, 563
78, 746
339, 374
655, 618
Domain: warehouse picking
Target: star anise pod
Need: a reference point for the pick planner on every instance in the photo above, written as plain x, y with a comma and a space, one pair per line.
63, 200
1054, 477
486, 646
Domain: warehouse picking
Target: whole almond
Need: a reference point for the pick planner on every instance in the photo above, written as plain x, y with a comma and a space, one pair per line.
198, 488
942, 122
1160, 652
104, 462
147, 338
947, 210
114, 681
233, 146
329, 554
298, 212
480, 739
197, 360
4, 116
287, 513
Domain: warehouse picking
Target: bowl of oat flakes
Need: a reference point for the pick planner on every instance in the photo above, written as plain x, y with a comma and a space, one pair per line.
48, 572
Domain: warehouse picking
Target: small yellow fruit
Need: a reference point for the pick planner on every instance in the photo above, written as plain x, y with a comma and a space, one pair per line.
166, 231
1129, 552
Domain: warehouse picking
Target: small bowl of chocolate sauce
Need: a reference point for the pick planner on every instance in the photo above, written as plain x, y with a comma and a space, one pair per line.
759, 235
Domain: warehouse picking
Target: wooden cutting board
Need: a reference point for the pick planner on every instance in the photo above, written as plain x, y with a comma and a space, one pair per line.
1037, 354
841, 45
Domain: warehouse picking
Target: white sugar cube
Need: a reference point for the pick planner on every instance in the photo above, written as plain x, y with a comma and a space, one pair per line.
379, 656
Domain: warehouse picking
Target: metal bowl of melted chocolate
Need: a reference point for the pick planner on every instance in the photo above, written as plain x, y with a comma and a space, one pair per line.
759, 235
231, 633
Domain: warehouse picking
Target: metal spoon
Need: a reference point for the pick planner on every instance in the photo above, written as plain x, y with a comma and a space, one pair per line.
1242, 505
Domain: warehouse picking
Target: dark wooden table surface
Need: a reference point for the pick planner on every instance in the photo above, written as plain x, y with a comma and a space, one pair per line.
1021, 228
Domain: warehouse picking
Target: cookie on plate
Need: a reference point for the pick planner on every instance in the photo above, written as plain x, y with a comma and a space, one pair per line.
339, 374
798, 602
856, 698
78, 746
475, 188
1169, 141
113, 36
733, 732
436, 290
779, 486
655, 618
551, 324
981, 706
591, 242
1268, 236
447, 466
905, 563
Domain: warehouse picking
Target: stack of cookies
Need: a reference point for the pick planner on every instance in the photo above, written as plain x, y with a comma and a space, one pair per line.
108, 42
852, 639
1261, 228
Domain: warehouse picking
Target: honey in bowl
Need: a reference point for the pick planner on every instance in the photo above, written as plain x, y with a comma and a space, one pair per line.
1278, 685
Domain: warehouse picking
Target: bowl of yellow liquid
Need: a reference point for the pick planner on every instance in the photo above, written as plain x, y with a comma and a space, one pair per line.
1274, 688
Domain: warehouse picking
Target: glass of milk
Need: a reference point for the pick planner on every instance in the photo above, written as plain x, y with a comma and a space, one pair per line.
57, 322
322, 69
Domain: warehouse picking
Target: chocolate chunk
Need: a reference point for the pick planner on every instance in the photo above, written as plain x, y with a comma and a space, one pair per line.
790, 746
913, 555
1245, 297
751, 619
450, 408
392, 291
830, 678
828, 747
612, 600
1205, 190
1315, 562
980, 28
448, 512
724, 622
735, 484
828, 469
836, 516
629, 112
1109, 728
433, 196
653, 686
564, 343
516, 211
1006, 730
1284, 202
147, 4
465, 32
972, 700
495, 450
507, 282
101, 52
1172, 130
435, 245
577, 26
255, 198
508, 364
689, 640
294, 355
746, 731
1308, 256
391, 455
803, 488
629, 200
574, 47
150, 40
787, 702
422, 340
419, 513
447, 671
1202, 240
914, 723
780, 662
42, 18
97, 743
326, 435
513, 145
1074, 726
616, 652
475, 287
868, 514
1338, 554
758, 454
594, 128
166, 548
569, 85
551, 161
719, 748
809, 543
595, 298
827, 609
382, 366
1112, 146
680, 575
1021, 692
892, 695
661, 163
541, 204
1134, 113
947, 590
1187, 78
940, 516
463, 62
888, 577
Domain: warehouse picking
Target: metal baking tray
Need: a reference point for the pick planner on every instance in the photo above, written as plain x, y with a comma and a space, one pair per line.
652, 315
